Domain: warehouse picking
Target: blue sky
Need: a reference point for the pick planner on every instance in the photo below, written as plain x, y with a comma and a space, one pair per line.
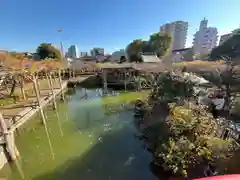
110, 24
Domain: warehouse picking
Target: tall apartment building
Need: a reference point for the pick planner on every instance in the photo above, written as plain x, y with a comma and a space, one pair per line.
178, 32
97, 51
73, 52
205, 39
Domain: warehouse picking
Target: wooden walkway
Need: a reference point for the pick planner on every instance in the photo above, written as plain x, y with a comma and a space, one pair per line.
26, 113
23, 114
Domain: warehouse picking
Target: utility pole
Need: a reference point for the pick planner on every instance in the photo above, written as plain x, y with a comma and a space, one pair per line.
61, 48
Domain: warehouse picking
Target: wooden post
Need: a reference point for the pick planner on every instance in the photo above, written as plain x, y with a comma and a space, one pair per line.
138, 81
11, 148
55, 104
42, 114
14, 147
50, 87
104, 81
63, 73
22, 84
8, 139
73, 73
125, 80
69, 73
6, 87
38, 84
60, 83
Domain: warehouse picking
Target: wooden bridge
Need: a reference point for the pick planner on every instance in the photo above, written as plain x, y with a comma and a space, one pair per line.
15, 115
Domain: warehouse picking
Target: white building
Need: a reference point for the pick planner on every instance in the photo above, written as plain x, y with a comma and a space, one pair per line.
73, 52
120, 55
178, 32
205, 39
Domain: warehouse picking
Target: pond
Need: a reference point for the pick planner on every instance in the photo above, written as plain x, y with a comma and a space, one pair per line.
98, 143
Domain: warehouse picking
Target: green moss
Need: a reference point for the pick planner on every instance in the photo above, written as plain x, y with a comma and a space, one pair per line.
6, 101
125, 97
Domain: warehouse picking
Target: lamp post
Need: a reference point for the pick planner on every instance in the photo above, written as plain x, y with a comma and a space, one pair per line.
61, 47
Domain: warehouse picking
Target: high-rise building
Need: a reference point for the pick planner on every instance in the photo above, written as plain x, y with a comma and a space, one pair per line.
73, 52
97, 51
178, 32
205, 39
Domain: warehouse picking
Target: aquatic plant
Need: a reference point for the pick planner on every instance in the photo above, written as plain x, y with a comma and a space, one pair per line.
170, 86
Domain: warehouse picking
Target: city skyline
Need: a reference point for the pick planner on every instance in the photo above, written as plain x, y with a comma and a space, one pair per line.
98, 29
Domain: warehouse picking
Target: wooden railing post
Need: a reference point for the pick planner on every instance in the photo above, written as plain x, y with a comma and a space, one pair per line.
35, 86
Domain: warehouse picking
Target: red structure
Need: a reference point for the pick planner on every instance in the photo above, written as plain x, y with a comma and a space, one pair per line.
225, 177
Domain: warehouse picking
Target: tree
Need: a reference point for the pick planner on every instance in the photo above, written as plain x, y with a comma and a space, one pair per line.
157, 43
134, 49
230, 48
146, 47
46, 50
160, 43
122, 59
229, 51
169, 86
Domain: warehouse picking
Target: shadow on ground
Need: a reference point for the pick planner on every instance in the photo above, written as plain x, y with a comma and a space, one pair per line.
118, 156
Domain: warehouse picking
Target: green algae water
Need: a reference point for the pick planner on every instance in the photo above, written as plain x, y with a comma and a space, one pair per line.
98, 142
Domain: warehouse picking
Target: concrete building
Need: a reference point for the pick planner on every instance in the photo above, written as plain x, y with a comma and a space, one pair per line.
73, 52
178, 32
82, 54
120, 55
205, 39
97, 51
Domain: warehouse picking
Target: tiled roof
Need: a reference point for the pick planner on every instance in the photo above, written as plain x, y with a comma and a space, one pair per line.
150, 58
180, 50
